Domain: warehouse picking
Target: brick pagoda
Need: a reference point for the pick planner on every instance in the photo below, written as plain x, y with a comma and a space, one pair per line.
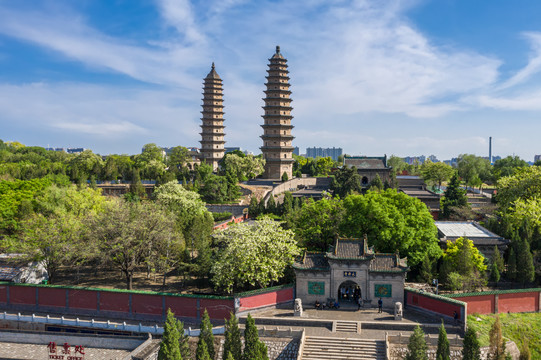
277, 138
212, 129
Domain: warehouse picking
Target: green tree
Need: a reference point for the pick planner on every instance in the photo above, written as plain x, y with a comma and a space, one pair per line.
317, 223
136, 186
85, 164
393, 222
177, 158
230, 356
244, 167
287, 204
497, 343
170, 345
512, 264
202, 352
525, 184
193, 220
285, 177
462, 257
508, 165
436, 173
443, 351
454, 196
526, 270
128, 234
494, 273
324, 165
254, 254
232, 343
346, 181
53, 240
425, 273
471, 347
253, 347
376, 183
417, 348
271, 205
253, 208
471, 167
396, 163
498, 259
206, 335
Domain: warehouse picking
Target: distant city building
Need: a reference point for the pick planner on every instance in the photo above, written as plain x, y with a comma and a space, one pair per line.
212, 127
433, 158
296, 151
277, 149
333, 152
536, 158
411, 160
494, 158
231, 149
68, 150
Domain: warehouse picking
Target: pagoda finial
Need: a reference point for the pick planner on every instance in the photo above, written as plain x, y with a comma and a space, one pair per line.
277, 49
213, 65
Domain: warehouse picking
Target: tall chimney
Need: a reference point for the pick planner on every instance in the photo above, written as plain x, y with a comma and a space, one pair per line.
490, 149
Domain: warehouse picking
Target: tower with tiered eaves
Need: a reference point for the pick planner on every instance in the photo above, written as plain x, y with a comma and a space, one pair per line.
212, 128
277, 149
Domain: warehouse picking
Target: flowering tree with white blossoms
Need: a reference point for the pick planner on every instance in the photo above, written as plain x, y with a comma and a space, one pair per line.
255, 254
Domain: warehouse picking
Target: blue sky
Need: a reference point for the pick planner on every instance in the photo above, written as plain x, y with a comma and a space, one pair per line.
373, 77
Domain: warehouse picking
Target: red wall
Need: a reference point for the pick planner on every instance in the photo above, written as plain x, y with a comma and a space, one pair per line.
217, 308
3, 294
482, 304
518, 302
146, 304
182, 306
51, 297
83, 299
432, 304
22, 295
266, 299
113, 301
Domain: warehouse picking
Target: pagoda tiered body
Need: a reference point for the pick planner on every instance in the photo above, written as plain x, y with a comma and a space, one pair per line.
277, 149
212, 134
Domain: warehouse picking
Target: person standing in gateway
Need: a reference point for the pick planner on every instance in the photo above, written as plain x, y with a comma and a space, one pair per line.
380, 305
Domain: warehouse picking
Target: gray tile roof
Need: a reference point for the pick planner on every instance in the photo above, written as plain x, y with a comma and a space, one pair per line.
312, 261
352, 249
349, 248
365, 163
388, 262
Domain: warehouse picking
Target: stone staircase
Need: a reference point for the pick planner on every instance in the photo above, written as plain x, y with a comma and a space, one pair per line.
327, 348
347, 326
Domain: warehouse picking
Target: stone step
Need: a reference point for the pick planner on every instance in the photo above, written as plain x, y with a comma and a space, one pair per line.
347, 326
342, 348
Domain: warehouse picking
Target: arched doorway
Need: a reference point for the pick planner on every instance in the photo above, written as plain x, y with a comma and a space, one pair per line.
364, 180
349, 291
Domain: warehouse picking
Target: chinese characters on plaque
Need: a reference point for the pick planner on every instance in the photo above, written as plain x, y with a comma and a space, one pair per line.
65, 351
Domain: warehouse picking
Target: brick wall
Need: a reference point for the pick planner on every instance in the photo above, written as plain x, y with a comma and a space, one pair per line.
135, 304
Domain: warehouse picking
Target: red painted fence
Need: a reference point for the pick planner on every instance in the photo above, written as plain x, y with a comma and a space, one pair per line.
435, 304
140, 305
502, 301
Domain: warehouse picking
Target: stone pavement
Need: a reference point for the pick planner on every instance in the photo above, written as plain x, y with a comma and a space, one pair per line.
374, 325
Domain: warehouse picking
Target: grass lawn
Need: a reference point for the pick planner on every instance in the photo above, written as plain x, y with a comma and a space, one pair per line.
519, 327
